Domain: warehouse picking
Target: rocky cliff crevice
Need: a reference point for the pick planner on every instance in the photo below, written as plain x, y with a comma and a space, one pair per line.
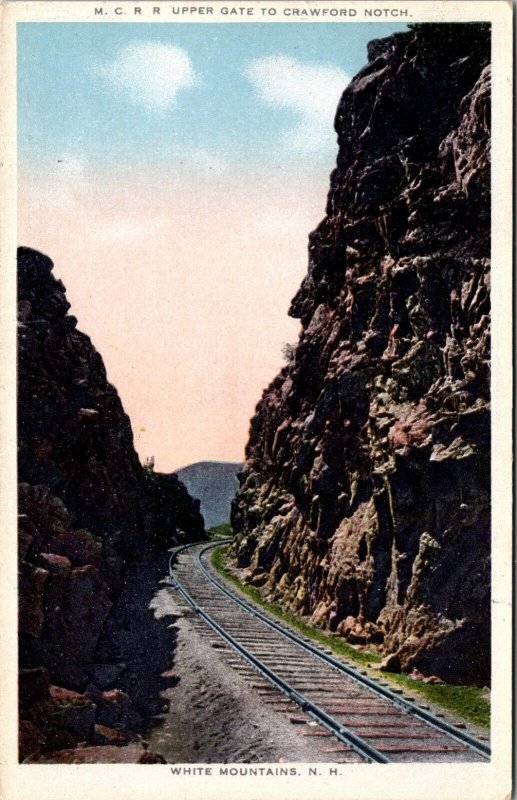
364, 501
87, 510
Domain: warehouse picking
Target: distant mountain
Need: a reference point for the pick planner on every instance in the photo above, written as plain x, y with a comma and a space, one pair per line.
215, 484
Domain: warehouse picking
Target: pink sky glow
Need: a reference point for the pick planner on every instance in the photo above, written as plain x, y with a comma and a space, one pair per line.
183, 285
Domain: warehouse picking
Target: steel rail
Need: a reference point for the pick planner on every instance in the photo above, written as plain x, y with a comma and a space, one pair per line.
406, 705
412, 708
359, 745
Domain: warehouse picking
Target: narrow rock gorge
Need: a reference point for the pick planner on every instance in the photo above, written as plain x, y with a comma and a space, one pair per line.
87, 511
365, 497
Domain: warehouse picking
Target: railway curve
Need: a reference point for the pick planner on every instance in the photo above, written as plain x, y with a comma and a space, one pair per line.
367, 720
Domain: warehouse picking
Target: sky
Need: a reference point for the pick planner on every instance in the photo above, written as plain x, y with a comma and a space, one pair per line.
173, 172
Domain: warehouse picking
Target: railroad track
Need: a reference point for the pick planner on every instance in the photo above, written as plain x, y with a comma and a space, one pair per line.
356, 717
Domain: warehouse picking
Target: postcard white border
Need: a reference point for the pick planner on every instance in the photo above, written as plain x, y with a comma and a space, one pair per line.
357, 782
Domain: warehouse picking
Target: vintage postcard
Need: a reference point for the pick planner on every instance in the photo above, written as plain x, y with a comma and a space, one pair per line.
256, 303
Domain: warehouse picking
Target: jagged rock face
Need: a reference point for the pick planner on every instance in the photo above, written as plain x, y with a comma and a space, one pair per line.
364, 501
74, 436
86, 507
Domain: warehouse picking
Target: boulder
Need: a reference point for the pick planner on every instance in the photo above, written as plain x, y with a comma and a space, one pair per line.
114, 708
105, 735
75, 714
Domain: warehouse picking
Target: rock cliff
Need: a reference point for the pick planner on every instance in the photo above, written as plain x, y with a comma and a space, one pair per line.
74, 436
364, 501
86, 510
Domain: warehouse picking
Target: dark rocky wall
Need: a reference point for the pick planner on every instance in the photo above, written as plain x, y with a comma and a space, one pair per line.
87, 509
364, 501
74, 436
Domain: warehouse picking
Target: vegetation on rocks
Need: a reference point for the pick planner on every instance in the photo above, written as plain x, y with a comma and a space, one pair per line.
220, 531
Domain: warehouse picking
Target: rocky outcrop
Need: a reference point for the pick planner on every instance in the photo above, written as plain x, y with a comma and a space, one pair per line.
56, 720
87, 508
74, 436
364, 500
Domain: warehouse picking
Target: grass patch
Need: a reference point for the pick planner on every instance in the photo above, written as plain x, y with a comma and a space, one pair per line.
220, 531
468, 702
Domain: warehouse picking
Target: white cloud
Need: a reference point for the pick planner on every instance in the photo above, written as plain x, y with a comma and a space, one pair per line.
150, 74
310, 90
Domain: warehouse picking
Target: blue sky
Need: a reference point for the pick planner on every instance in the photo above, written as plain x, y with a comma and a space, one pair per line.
152, 92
